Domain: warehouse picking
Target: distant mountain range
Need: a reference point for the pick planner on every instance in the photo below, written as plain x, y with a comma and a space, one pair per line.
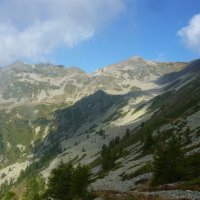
22, 82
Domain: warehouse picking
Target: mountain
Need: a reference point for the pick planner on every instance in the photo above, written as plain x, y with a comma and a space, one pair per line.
54, 114
30, 94
21, 82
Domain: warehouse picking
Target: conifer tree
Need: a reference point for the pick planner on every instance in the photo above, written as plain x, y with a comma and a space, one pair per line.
59, 182
149, 142
168, 162
67, 183
80, 181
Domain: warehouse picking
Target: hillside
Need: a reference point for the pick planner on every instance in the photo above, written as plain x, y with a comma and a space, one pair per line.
54, 114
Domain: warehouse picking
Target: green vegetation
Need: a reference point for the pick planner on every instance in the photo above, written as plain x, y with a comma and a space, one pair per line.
25, 89
149, 141
1, 143
10, 196
30, 171
67, 183
34, 188
168, 162
17, 130
144, 169
186, 137
109, 154
192, 169
64, 183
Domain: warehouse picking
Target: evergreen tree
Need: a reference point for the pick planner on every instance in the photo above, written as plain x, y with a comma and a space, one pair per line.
59, 182
105, 157
168, 162
80, 181
148, 143
108, 155
67, 183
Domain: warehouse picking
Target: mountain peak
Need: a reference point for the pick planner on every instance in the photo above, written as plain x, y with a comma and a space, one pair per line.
137, 58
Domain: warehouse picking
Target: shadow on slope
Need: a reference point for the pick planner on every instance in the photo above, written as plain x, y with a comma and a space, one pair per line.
192, 68
67, 121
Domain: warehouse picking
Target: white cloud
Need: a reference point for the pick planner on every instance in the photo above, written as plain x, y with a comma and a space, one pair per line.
190, 34
33, 29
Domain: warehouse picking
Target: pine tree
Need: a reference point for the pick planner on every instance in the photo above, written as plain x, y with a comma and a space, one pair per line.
67, 183
148, 143
168, 162
80, 181
59, 182
108, 155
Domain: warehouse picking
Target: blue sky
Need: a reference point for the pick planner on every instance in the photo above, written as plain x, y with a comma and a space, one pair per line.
147, 28
92, 33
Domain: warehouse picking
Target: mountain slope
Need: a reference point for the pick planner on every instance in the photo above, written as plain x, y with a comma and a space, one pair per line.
93, 109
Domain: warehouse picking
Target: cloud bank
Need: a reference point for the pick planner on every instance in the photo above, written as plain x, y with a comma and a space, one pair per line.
34, 29
190, 34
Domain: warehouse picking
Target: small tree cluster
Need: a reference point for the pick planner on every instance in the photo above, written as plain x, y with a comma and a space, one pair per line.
67, 183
